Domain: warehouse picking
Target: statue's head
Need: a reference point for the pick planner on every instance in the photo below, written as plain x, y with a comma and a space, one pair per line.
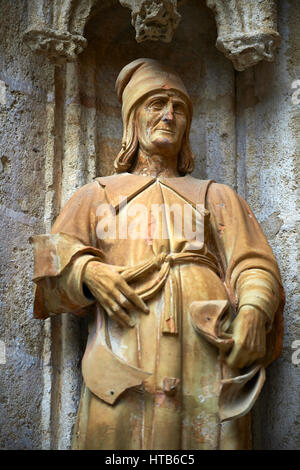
156, 112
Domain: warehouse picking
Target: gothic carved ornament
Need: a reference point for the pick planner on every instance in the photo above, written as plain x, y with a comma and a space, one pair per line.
56, 28
247, 31
155, 20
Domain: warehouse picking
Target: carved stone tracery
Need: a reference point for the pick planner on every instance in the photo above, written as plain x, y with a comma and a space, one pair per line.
247, 31
59, 46
153, 19
56, 28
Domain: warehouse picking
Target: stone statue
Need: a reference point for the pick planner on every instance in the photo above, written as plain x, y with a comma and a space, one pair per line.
181, 288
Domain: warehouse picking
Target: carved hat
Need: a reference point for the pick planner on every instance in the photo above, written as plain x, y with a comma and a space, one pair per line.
143, 76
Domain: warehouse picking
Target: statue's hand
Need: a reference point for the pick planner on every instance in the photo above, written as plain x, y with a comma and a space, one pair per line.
112, 292
249, 335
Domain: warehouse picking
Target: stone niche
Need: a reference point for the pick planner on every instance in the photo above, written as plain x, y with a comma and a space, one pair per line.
243, 134
88, 129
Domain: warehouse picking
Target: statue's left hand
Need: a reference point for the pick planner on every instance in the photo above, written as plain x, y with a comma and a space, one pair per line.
249, 335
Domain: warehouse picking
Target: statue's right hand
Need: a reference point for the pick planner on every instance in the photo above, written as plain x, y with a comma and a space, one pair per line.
112, 292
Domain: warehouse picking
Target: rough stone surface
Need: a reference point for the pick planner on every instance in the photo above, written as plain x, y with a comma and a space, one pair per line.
25, 80
62, 126
268, 175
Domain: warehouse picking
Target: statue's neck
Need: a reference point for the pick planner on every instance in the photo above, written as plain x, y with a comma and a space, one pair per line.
156, 165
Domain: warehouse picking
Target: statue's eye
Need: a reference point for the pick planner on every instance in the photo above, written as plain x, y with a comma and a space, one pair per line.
156, 105
179, 109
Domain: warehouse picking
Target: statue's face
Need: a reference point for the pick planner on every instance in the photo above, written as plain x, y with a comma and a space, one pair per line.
161, 121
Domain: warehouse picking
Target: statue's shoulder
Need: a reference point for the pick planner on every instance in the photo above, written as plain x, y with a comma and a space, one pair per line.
104, 180
87, 193
221, 188
211, 189
88, 189
215, 185
189, 179
125, 184
119, 179
219, 193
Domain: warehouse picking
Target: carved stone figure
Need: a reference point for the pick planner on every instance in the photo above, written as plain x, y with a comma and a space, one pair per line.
182, 290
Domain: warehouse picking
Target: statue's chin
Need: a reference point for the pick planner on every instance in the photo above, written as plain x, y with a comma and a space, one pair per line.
165, 140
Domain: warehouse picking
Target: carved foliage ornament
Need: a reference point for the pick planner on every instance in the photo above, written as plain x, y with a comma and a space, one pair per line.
59, 46
247, 30
153, 19
56, 28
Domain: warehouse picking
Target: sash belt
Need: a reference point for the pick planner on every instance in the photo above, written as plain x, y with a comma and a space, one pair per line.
166, 277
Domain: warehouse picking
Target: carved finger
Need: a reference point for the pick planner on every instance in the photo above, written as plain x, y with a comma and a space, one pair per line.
249, 362
132, 296
238, 356
257, 354
114, 311
114, 317
119, 314
96, 292
125, 303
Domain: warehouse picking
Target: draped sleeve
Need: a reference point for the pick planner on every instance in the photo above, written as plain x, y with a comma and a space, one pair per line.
61, 256
249, 267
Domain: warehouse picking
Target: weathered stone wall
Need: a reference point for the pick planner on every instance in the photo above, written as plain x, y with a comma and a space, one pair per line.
61, 127
25, 81
268, 128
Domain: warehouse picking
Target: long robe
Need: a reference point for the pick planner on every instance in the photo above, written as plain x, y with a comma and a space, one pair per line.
157, 385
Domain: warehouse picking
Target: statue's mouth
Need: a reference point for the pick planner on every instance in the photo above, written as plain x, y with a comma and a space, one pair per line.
166, 130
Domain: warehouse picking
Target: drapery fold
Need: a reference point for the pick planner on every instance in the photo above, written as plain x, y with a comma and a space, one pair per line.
233, 262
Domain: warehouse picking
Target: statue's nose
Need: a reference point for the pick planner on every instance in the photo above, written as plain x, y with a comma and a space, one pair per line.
169, 113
